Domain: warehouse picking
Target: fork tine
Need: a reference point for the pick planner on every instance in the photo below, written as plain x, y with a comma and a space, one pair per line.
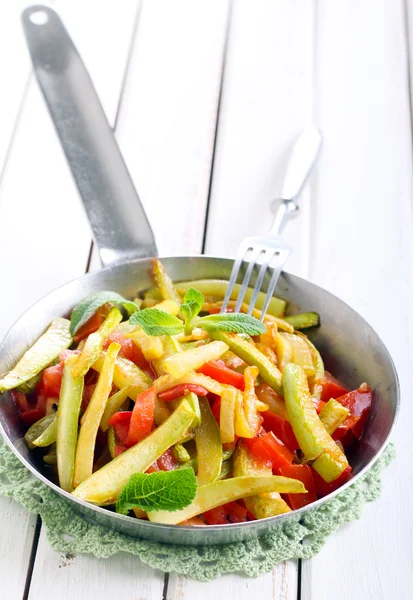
273, 282
260, 278
256, 251
234, 276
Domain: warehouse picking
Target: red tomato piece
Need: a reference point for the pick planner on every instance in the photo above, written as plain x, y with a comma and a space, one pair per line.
20, 401
318, 405
51, 381
129, 350
216, 369
31, 416
142, 420
235, 512
182, 389
120, 422
216, 516
346, 428
323, 488
167, 461
268, 448
302, 473
332, 388
359, 403
281, 428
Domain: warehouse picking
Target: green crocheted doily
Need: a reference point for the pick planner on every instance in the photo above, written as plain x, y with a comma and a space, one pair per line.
302, 537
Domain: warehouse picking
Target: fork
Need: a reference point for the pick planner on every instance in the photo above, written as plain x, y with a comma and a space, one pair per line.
271, 252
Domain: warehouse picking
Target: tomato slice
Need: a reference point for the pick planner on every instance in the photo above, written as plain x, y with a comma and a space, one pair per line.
142, 420
302, 473
120, 422
216, 369
167, 461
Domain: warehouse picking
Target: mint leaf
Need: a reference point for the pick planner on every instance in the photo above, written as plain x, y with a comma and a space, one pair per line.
192, 304
89, 305
163, 490
157, 322
235, 322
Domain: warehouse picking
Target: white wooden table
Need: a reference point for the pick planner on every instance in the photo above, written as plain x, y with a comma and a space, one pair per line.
206, 99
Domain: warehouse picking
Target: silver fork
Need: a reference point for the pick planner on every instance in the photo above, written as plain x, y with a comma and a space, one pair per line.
271, 251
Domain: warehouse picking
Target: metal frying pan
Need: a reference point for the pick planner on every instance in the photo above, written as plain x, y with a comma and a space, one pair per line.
350, 347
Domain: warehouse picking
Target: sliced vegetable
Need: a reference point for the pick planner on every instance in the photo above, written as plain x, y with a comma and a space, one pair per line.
332, 415
94, 343
180, 364
208, 445
359, 403
38, 429
142, 420
303, 320
48, 347
227, 415
281, 428
120, 423
91, 419
252, 356
250, 401
128, 348
220, 372
180, 453
150, 345
167, 381
301, 354
48, 437
303, 473
182, 389
114, 403
164, 282
105, 485
331, 387
67, 418
193, 401
267, 448
323, 488
92, 303
126, 374
311, 435
274, 402
263, 505
221, 492
169, 306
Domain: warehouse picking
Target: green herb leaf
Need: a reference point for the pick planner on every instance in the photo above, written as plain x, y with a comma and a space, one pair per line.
163, 490
192, 303
157, 322
235, 322
89, 305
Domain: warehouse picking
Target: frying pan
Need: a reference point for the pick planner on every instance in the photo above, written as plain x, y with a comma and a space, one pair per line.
350, 347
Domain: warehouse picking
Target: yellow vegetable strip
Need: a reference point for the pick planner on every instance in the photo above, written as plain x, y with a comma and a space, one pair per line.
94, 343
168, 306
227, 490
332, 415
115, 402
250, 400
164, 282
208, 445
227, 415
242, 428
105, 485
48, 347
91, 419
167, 381
126, 373
67, 423
151, 345
262, 505
180, 364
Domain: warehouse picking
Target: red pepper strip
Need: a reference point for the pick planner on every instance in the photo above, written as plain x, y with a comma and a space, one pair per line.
181, 390
167, 462
359, 403
20, 401
323, 488
142, 420
346, 428
120, 422
130, 351
216, 409
93, 323
216, 369
119, 449
302, 473
235, 512
51, 381
331, 388
29, 417
216, 310
268, 448
281, 428
318, 404
216, 516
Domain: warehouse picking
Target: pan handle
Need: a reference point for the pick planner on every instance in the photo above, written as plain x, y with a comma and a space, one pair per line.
120, 226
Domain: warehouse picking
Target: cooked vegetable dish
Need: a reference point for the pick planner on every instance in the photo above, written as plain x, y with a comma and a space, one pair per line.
167, 409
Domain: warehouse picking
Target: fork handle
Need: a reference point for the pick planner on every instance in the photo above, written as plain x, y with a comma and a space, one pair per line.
299, 166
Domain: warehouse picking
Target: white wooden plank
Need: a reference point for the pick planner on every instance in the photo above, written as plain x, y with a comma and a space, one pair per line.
166, 126
120, 576
45, 236
266, 102
364, 221
280, 584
